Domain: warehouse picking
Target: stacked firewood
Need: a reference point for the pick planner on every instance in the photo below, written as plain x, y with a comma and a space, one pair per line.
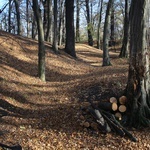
105, 116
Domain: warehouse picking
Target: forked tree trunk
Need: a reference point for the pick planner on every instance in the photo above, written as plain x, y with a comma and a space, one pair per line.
138, 86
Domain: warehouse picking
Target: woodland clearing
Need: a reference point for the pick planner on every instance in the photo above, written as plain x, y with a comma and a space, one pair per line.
44, 115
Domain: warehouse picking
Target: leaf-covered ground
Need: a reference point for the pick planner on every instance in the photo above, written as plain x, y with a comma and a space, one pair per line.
45, 115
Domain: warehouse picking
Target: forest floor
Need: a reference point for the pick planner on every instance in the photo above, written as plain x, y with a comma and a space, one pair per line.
44, 115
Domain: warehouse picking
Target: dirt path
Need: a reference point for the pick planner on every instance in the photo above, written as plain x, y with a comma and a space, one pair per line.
44, 116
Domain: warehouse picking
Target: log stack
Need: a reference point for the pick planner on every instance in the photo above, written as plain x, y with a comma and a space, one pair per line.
105, 116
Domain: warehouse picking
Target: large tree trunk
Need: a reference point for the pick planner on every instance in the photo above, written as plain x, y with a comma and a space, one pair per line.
41, 53
70, 35
138, 87
106, 59
124, 49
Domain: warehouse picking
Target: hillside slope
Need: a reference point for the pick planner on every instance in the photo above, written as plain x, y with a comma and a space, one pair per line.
43, 115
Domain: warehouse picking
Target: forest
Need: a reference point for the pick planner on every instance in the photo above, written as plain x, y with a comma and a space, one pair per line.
74, 74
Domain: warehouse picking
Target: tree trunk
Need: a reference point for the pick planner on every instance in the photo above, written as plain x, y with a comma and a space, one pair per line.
27, 16
89, 24
55, 41
9, 17
106, 59
49, 20
138, 86
61, 20
124, 49
99, 25
70, 36
78, 22
18, 17
41, 53
112, 26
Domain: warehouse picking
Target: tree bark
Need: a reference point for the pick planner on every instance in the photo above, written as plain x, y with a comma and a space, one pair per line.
70, 35
55, 41
99, 25
9, 17
125, 44
89, 24
138, 86
18, 17
41, 52
106, 59
78, 21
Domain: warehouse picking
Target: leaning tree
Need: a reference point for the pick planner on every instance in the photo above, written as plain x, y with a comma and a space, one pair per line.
138, 86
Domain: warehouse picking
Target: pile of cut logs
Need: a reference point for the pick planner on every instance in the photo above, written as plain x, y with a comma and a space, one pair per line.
105, 116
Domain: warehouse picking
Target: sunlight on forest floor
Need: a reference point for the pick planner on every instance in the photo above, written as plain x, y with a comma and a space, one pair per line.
43, 115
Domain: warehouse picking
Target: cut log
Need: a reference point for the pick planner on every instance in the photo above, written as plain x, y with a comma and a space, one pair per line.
118, 115
122, 100
100, 120
114, 126
108, 106
127, 133
113, 100
122, 108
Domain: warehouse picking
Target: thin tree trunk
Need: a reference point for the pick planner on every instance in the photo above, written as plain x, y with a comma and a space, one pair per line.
112, 26
41, 53
9, 17
89, 24
61, 21
106, 58
99, 25
18, 17
55, 41
27, 16
49, 22
78, 22
125, 44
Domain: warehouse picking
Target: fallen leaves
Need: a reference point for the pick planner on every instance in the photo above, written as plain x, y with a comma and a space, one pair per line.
44, 116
